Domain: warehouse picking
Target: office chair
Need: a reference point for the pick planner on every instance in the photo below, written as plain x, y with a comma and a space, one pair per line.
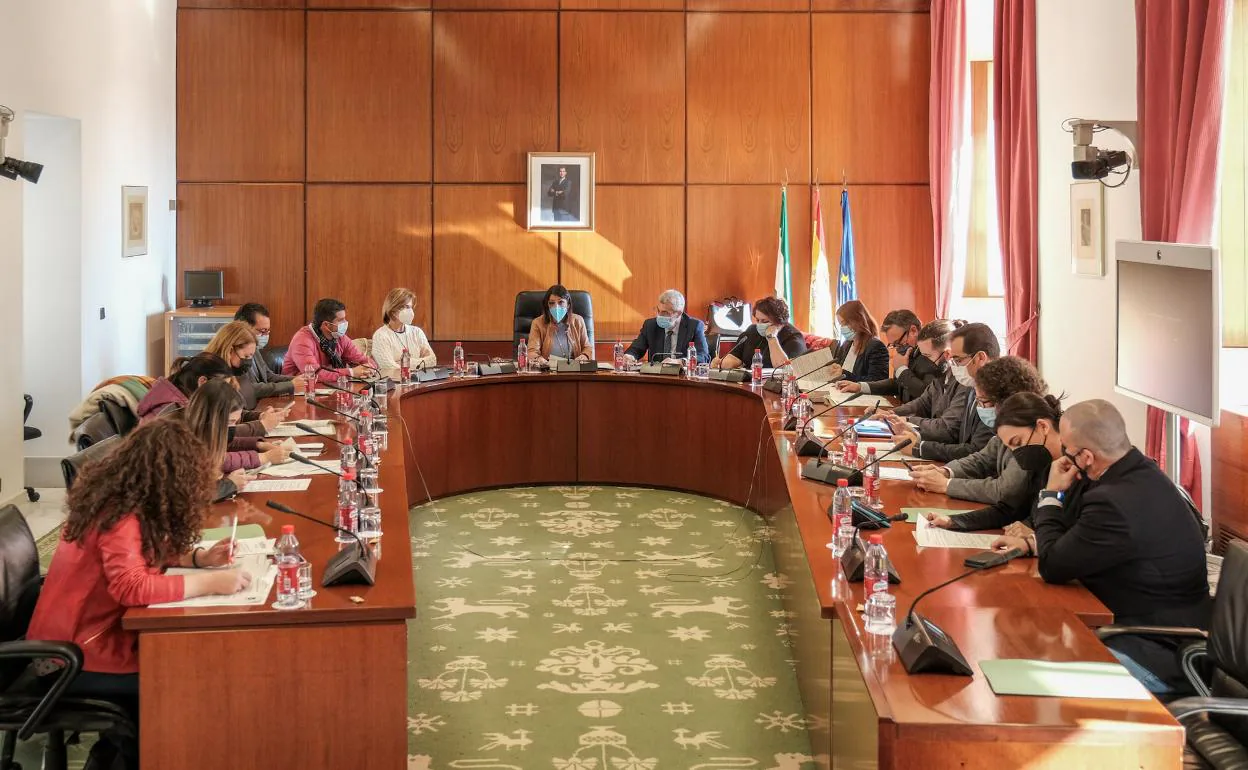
529, 306
72, 465
28, 706
275, 356
1216, 664
29, 434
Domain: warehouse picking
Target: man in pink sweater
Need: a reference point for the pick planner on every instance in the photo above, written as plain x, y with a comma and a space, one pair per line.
324, 343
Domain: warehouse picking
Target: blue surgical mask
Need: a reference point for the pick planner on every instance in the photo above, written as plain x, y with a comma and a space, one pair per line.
847, 334
665, 322
762, 329
262, 341
987, 415
342, 329
558, 312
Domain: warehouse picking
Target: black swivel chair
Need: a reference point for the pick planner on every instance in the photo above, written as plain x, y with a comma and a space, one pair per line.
1216, 663
275, 357
30, 707
529, 306
71, 466
29, 434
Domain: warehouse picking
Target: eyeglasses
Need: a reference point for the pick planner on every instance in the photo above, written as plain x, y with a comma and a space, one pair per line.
961, 360
985, 403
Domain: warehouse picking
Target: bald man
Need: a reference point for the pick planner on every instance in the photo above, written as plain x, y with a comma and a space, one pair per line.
1109, 518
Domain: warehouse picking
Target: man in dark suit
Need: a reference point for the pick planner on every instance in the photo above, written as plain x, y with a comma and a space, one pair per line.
669, 333
1109, 518
561, 200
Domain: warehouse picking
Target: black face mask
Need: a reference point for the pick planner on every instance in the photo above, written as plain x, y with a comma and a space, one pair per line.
901, 347
242, 368
1032, 457
229, 433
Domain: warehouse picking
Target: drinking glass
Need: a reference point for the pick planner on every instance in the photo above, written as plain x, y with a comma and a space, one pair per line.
349, 459
381, 397
368, 478
309, 381
381, 439
844, 538
306, 591
472, 368
370, 522
704, 370
881, 613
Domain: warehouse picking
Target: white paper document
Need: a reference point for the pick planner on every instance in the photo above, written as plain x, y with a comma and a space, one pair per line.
281, 485
246, 546
262, 576
935, 537
880, 447
812, 370
837, 398
894, 474
293, 470
288, 429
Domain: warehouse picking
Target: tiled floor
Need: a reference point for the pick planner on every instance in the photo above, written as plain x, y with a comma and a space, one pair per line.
45, 515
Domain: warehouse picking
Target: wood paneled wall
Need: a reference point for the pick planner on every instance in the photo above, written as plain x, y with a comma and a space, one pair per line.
342, 147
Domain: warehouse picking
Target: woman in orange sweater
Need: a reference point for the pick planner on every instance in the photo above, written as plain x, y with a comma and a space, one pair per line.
132, 513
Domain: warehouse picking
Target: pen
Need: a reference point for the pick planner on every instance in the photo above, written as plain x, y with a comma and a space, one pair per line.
233, 532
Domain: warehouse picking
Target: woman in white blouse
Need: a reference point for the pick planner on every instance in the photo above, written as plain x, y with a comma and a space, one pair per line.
397, 334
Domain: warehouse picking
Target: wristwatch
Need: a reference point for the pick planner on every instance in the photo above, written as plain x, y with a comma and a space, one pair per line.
1048, 494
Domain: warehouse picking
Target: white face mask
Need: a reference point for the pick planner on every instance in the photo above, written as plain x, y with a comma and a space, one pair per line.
342, 329
405, 316
961, 374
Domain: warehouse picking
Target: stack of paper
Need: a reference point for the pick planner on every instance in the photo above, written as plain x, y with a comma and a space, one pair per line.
293, 470
288, 429
245, 546
837, 398
1054, 679
935, 537
279, 485
893, 473
812, 370
262, 572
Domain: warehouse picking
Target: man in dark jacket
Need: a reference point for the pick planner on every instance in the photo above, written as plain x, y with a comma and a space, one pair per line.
1109, 518
669, 333
918, 358
263, 381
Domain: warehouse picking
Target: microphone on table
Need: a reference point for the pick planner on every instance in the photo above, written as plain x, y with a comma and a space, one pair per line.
855, 556
820, 448
830, 473
491, 366
303, 426
921, 644
350, 566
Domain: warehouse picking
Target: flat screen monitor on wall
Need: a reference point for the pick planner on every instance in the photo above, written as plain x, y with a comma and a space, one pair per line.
1169, 327
201, 287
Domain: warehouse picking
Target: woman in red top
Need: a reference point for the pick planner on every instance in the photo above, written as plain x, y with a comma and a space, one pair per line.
132, 513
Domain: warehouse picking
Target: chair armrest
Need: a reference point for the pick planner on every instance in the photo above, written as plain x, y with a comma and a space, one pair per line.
70, 657
1172, 632
1186, 707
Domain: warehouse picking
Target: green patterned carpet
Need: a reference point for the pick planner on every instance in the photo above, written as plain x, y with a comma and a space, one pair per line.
599, 628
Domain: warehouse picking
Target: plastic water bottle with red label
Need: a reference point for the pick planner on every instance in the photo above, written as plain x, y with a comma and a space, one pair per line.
405, 366
756, 368
288, 560
875, 568
343, 394
871, 480
522, 356
849, 447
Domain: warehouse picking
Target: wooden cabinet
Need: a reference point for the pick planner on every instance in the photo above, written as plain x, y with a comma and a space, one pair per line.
189, 329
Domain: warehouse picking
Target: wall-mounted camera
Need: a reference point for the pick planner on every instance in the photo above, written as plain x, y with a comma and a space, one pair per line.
13, 168
1092, 162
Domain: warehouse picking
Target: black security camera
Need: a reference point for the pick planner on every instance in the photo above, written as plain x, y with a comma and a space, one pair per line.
1100, 166
12, 168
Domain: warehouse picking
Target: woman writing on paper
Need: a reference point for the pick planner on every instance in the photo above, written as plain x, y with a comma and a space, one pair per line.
131, 514
771, 333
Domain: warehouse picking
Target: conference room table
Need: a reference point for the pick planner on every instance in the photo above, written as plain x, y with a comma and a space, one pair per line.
325, 687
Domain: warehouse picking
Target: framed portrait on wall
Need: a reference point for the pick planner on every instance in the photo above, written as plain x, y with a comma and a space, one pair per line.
561, 191
1087, 240
133, 221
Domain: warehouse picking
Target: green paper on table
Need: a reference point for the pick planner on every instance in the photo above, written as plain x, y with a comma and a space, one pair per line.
245, 531
913, 514
1047, 678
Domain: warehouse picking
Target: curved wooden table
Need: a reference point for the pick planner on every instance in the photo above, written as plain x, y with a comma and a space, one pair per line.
211, 678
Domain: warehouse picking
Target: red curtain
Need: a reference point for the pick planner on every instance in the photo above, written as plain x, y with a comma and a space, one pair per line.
1014, 112
1181, 46
947, 112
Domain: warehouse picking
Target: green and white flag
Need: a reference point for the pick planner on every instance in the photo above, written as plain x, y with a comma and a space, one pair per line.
784, 273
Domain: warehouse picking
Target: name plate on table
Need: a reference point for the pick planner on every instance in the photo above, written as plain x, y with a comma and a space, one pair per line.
731, 375
431, 375
670, 370
590, 367
499, 367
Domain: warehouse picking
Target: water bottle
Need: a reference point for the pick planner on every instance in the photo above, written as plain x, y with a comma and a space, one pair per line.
343, 394
691, 361
881, 608
842, 514
288, 559
790, 388
802, 410
405, 366
522, 356
457, 360
871, 481
346, 515
756, 368
849, 447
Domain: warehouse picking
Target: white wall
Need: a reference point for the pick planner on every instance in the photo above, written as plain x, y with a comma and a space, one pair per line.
52, 257
1085, 54
109, 64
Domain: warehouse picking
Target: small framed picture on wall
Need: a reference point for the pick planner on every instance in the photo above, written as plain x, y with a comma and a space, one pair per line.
561, 191
133, 221
1087, 239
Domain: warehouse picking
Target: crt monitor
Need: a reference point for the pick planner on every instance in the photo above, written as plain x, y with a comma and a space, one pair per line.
201, 287
1169, 325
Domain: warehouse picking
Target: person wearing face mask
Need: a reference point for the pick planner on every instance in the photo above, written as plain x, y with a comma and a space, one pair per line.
558, 332
990, 475
397, 334
859, 356
959, 428
915, 365
1111, 519
771, 333
236, 344
265, 383
324, 343
1027, 424
669, 333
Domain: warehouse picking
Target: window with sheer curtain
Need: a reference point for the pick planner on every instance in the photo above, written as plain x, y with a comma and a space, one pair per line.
1233, 202
983, 256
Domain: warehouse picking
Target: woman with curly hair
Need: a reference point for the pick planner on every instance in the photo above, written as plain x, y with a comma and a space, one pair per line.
132, 513
990, 475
